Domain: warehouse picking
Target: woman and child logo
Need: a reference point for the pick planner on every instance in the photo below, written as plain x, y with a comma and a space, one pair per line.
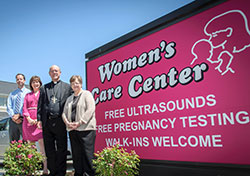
228, 34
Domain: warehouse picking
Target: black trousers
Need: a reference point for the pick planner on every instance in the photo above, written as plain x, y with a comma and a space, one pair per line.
55, 142
15, 130
83, 145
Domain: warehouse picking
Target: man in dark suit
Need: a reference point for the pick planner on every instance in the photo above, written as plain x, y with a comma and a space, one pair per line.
49, 116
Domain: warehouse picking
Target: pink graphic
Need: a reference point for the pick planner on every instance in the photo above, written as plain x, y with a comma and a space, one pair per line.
181, 93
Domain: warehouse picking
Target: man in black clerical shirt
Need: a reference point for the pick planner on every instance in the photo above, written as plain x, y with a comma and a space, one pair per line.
50, 107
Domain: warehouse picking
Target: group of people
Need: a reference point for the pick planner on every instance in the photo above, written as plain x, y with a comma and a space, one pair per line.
47, 112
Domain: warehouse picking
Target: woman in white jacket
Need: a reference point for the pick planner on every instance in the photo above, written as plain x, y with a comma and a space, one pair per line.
79, 117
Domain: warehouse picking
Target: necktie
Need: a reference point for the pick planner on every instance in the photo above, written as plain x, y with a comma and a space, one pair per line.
18, 103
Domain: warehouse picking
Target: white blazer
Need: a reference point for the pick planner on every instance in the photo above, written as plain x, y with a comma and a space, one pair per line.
85, 111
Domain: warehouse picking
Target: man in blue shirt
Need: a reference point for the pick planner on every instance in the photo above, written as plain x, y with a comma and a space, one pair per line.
15, 106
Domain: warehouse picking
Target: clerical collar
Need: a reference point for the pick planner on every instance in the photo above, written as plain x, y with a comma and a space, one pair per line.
56, 82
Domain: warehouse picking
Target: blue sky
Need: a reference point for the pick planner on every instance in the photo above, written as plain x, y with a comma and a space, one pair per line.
35, 34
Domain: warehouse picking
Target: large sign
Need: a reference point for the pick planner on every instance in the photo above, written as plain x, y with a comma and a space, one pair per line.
182, 93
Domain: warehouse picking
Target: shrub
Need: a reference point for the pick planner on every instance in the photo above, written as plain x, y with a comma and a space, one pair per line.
114, 161
22, 158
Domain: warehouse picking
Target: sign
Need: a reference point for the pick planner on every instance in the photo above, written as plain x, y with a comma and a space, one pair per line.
182, 93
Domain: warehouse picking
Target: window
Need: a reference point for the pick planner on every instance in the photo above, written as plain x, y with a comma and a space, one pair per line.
3, 101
